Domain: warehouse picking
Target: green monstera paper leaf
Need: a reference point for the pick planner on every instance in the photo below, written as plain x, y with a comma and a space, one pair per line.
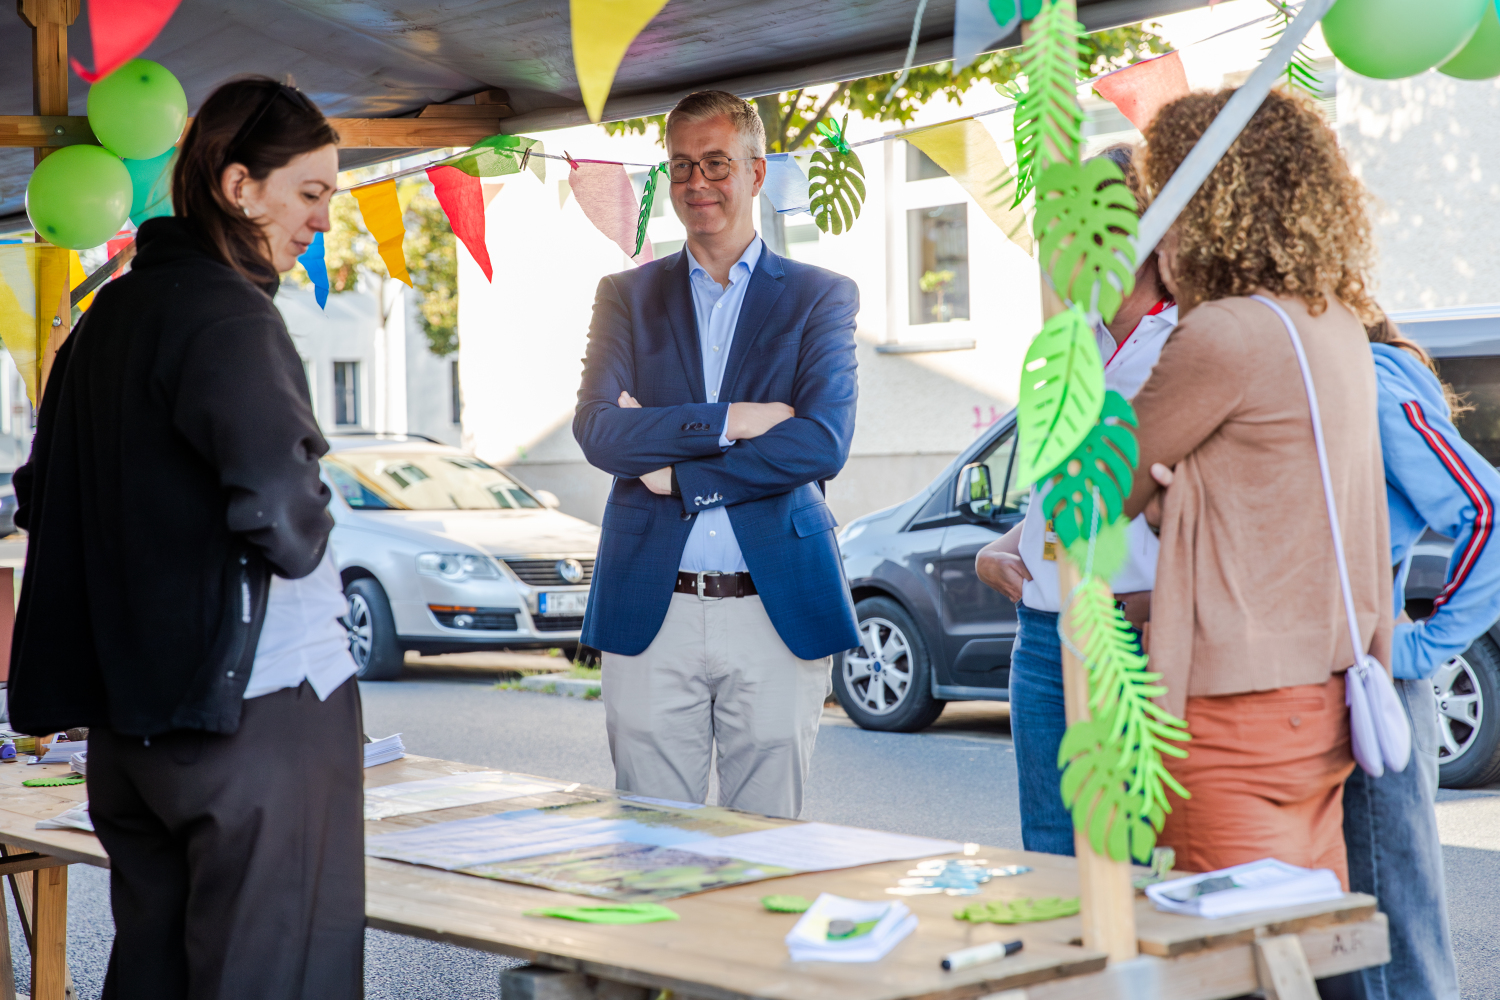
1049, 120
1102, 467
1104, 553
1062, 392
1085, 216
836, 182
648, 199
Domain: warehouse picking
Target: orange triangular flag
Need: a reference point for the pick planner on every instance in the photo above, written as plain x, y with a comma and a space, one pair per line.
1141, 90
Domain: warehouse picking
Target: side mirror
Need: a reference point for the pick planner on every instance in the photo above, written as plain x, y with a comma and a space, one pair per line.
548, 499
975, 494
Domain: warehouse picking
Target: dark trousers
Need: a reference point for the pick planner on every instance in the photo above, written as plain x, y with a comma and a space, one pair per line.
237, 862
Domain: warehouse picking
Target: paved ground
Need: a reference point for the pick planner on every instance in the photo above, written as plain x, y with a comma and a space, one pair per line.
957, 780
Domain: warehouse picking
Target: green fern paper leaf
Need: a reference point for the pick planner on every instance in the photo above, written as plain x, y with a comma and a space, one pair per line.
1085, 216
1062, 392
1102, 466
836, 182
1048, 120
648, 199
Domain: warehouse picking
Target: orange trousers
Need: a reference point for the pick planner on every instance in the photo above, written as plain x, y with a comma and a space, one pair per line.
1266, 771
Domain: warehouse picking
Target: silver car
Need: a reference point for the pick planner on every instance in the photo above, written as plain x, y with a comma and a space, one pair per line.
440, 552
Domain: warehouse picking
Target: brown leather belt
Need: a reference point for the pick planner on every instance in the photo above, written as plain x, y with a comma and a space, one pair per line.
714, 585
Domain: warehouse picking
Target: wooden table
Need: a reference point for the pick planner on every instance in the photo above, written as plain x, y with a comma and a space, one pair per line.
726, 947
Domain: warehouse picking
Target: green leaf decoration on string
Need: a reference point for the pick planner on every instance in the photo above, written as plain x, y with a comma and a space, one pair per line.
501, 154
1085, 216
648, 199
1105, 553
1302, 71
1062, 392
1113, 778
1049, 120
836, 182
1018, 911
1101, 468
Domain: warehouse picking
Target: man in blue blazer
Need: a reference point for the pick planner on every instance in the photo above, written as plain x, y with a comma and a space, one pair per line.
719, 391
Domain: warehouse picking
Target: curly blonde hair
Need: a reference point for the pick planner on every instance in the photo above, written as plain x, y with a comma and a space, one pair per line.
1281, 211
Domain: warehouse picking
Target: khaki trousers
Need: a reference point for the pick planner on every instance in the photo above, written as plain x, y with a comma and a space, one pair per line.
717, 672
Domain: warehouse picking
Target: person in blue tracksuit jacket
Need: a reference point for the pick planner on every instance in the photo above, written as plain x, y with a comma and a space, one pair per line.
1434, 479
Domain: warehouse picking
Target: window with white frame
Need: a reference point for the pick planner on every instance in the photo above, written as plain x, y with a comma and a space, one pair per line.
937, 252
346, 393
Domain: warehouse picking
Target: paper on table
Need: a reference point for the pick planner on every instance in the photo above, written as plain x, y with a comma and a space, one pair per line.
452, 790
820, 847
525, 833
73, 818
1259, 885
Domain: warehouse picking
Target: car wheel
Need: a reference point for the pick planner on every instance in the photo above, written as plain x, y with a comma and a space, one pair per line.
372, 631
1468, 705
885, 683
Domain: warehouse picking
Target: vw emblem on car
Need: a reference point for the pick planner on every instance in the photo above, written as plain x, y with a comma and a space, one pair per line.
571, 570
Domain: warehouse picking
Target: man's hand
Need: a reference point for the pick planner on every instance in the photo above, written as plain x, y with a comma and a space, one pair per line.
660, 481
1001, 569
751, 420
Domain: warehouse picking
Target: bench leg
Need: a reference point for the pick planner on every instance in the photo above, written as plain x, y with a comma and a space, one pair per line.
1281, 966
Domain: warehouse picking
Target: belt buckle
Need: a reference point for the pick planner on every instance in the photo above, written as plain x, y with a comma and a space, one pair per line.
700, 576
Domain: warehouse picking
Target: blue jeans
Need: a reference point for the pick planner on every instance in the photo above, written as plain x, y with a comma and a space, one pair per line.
1390, 829
1037, 722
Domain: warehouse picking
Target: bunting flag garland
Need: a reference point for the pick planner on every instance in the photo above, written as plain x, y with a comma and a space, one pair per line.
382, 213
648, 201
602, 32
786, 185
315, 264
978, 24
500, 155
604, 193
972, 157
34, 287
462, 200
1143, 89
120, 30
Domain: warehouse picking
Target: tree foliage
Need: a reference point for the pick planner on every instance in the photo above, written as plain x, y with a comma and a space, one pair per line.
793, 125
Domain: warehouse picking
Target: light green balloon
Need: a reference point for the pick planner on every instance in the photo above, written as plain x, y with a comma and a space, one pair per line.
79, 197
1391, 39
1480, 59
138, 112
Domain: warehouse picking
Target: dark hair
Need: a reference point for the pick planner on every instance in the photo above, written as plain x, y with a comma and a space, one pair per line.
262, 125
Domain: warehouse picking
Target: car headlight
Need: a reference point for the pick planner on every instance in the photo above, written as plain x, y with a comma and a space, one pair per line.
455, 567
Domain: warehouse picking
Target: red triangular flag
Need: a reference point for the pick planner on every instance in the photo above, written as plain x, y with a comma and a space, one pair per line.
461, 196
120, 31
1140, 91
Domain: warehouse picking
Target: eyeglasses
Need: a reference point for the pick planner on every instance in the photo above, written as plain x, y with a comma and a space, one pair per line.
715, 168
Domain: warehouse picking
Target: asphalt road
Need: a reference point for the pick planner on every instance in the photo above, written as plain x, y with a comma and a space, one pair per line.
956, 780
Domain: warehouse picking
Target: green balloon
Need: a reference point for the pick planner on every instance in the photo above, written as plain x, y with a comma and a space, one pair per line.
1480, 59
78, 197
139, 111
1391, 39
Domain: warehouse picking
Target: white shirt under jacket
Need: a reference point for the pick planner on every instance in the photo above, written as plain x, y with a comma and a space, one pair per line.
302, 638
1126, 368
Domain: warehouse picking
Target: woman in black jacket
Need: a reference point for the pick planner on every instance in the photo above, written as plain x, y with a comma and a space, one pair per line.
179, 599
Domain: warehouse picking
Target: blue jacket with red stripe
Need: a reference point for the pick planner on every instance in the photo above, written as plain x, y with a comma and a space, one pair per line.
1433, 478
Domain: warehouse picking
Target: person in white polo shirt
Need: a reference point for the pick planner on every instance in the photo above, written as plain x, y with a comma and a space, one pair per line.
1022, 566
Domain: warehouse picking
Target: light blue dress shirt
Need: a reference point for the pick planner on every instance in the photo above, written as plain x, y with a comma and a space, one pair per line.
712, 545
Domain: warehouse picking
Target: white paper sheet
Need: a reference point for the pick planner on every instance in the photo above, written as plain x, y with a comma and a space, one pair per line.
820, 847
452, 790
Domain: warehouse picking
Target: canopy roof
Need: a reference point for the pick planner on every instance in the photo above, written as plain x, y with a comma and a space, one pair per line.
389, 58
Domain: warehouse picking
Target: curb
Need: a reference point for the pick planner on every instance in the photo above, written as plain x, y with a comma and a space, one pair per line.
572, 687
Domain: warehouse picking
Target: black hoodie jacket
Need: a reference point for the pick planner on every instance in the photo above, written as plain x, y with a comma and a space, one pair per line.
175, 467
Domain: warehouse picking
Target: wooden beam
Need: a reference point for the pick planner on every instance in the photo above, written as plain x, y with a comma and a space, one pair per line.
475, 123
28, 862
49, 955
1281, 966
49, 20
45, 131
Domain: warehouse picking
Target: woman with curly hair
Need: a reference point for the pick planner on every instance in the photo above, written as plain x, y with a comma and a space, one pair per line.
1248, 627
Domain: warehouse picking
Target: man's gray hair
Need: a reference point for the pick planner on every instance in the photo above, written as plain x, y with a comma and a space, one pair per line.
706, 104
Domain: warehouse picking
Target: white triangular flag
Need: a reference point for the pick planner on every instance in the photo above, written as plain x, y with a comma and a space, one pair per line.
786, 184
977, 26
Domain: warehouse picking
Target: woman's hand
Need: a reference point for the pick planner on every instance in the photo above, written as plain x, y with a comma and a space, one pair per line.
1001, 570
1164, 477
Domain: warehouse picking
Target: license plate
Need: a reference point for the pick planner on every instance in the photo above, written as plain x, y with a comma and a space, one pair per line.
566, 603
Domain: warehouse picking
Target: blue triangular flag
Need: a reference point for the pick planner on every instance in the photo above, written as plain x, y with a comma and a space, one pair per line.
317, 269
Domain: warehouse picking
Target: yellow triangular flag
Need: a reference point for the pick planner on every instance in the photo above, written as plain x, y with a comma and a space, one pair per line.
382, 213
18, 328
968, 152
76, 277
602, 31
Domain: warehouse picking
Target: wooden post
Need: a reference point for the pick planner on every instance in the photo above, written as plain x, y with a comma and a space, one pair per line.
49, 20
49, 954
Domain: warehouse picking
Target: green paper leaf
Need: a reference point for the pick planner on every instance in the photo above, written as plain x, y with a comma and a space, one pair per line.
1062, 393
1106, 552
608, 913
55, 781
648, 199
836, 182
1048, 119
1085, 216
786, 904
1018, 911
499, 155
1029, 8
1102, 467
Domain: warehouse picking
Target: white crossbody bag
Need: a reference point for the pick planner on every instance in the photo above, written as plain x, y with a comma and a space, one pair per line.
1378, 726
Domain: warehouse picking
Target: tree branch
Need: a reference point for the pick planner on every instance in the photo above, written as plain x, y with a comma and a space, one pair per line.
812, 125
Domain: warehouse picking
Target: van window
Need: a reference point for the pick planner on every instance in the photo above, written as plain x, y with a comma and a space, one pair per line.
1477, 380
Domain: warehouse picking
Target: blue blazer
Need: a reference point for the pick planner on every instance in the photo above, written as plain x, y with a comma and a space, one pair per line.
794, 344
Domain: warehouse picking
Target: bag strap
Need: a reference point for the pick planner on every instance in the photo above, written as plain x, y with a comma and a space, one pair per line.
1333, 514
